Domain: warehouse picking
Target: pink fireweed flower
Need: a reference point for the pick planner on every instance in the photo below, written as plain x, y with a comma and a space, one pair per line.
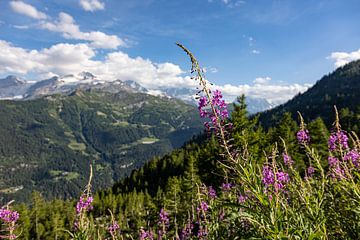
219, 106
267, 176
163, 217
187, 231
333, 161
310, 171
202, 102
226, 187
146, 235
113, 228
338, 139
303, 136
337, 172
353, 156
84, 203
202, 233
211, 192
282, 178
8, 216
203, 207
287, 160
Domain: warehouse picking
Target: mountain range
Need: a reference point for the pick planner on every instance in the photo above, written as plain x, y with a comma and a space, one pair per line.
13, 87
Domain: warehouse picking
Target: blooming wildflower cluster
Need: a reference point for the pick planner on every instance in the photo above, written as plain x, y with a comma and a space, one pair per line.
84, 203
146, 235
282, 178
203, 207
268, 178
202, 233
113, 228
163, 217
310, 171
354, 156
187, 231
287, 160
8, 216
220, 108
303, 136
211, 192
333, 161
335, 167
338, 139
226, 187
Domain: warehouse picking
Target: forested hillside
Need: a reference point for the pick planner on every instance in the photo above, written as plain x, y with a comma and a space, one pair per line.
47, 144
340, 88
173, 180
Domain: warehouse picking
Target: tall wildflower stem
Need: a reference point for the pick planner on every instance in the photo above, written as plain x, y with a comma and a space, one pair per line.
196, 68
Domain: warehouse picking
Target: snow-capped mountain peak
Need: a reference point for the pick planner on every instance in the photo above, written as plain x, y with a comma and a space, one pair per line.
11, 80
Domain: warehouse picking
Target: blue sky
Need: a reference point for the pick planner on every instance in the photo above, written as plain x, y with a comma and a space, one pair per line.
268, 49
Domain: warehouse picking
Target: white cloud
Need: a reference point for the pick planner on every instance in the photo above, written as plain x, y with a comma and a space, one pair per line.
92, 5
342, 58
230, 3
63, 58
16, 60
27, 9
274, 93
21, 26
254, 51
210, 69
262, 80
66, 25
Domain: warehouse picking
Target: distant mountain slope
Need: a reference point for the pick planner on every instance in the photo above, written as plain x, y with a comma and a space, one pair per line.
340, 88
47, 144
13, 87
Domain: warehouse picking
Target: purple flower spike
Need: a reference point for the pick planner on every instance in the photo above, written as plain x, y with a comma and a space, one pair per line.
354, 156
219, 107
338, 139
8, 216
303, 136
333, 161
338, 173
187, 231
226, 187
146, 235
113, 228
211, 192
268, 176
84, 203
310, 171
164, 217
203, 207
287, 160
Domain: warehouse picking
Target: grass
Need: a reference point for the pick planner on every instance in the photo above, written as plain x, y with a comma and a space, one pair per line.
57, 174
148, 140
77, 146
